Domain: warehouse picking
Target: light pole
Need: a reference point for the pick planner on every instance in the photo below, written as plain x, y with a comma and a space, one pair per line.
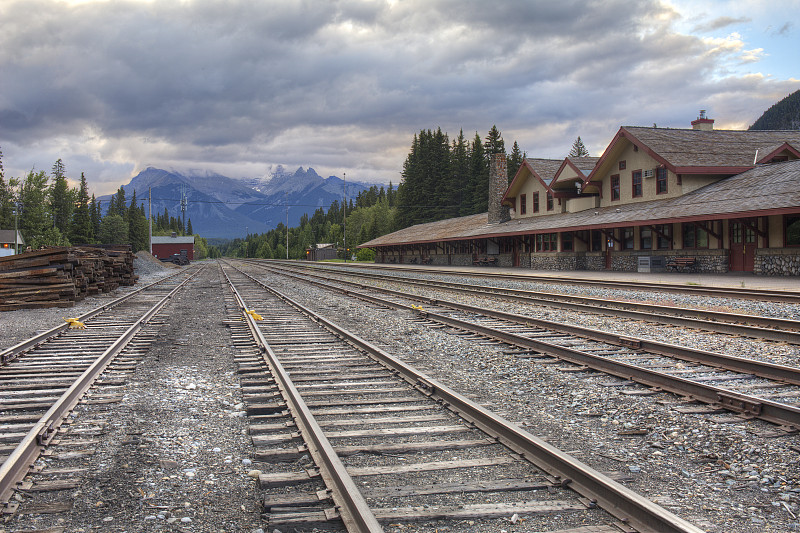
344, 217
16, 229
286, 200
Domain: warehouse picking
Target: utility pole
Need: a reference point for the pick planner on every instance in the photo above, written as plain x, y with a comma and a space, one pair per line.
286, 201
183, 208
150, 216
344, 217
16, 228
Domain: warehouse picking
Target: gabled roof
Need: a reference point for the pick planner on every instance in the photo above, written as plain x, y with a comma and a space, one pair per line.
772, 151
763, 190
7, 236
173, 240
582, 166
685, 151
542, 169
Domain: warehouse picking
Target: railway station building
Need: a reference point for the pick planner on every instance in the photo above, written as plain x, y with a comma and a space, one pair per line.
695, 199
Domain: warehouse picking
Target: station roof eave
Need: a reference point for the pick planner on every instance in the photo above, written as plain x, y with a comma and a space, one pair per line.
764, 190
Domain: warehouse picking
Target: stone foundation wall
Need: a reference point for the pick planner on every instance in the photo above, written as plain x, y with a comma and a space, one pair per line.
777, 262
554, 261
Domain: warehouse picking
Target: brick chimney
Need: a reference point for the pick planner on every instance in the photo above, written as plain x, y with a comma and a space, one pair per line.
702, 122
498, 183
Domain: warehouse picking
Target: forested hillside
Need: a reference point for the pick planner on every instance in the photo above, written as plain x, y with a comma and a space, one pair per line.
785, 115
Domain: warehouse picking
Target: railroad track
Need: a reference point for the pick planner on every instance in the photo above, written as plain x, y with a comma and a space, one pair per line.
350, 434
764, 295
746, 325
747, 387
44, 378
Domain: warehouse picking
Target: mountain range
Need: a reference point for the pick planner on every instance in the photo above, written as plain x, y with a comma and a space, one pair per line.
224, 208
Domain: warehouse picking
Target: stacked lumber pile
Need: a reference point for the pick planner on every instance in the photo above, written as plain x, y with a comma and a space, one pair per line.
59, 276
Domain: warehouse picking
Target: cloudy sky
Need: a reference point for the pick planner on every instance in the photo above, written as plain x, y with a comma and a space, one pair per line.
239, 87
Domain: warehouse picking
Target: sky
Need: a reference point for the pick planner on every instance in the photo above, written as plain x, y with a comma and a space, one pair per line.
112, 87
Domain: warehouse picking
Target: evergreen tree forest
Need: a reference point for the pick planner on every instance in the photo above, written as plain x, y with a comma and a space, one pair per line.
445, 179
49, 212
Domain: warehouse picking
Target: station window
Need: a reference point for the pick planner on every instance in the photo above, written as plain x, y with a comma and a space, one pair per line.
661, 181
523, 204
547, 242
694, 236
597, 241
549, 201
536, 202
792, 231
615, 187
622, 164
645, 239
566, 241
636, 183
664, 241
627, 238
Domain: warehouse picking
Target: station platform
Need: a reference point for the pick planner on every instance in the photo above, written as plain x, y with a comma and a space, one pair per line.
730, 279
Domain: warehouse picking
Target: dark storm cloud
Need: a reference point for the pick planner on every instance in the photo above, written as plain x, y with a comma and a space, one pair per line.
242, 85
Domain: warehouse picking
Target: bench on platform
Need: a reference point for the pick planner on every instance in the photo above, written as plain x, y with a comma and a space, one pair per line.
485, 261
682, 264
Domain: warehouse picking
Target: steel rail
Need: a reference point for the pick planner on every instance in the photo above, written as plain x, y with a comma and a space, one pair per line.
621, 502
18, 464
751, 406
783, 373
353, 509
11, 353
754, 326
724, 292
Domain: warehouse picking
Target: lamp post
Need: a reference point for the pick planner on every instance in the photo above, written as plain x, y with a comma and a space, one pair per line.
16, 229
344, 217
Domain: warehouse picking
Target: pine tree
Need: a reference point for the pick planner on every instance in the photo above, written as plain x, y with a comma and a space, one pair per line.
35, 219
8, 198
62, 199
494, 143
479, 177
81, 231
515, 160
460, 168
113, 230
137, 226
96, 214
189, 230
578, 149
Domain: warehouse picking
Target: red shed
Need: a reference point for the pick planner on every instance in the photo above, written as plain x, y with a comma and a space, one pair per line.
164, 247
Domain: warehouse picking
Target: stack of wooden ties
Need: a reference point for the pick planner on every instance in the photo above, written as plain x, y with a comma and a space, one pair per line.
59, 276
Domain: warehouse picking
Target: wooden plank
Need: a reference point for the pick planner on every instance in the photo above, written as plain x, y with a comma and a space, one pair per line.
430, 466
47, 508
495, 485
260, 429
51, 486
284, 479
482, 510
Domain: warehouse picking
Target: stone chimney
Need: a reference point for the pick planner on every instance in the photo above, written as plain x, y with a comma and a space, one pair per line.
702, 122
498, 183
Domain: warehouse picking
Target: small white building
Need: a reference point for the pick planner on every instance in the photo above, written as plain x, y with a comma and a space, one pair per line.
8, 242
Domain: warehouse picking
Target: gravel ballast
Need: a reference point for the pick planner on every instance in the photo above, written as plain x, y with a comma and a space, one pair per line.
721, 476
